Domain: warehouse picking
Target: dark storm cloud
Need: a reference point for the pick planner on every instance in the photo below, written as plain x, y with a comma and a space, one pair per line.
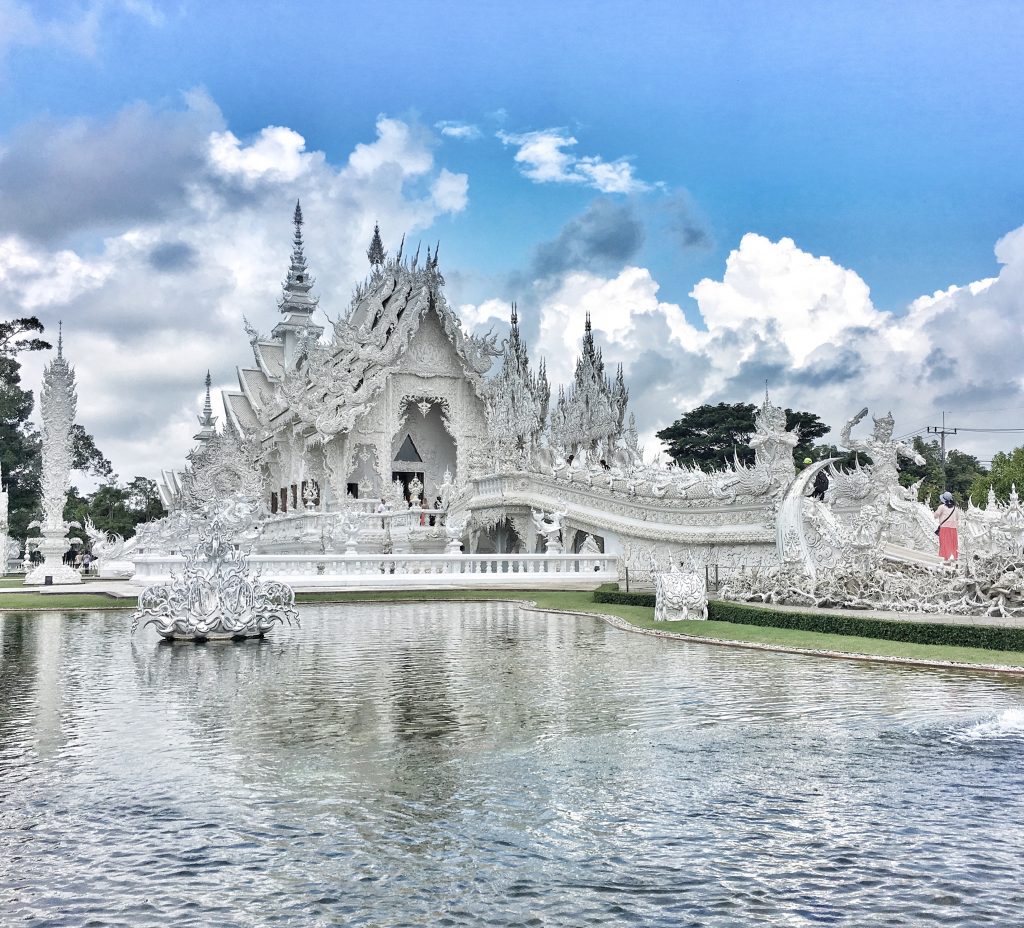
682, 222
57, 179
939, 365
606, 236
172, 256
835, 365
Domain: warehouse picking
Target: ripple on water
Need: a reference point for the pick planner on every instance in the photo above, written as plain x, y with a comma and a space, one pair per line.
474, 764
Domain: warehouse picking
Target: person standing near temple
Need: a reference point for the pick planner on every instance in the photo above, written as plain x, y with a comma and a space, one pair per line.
949, 522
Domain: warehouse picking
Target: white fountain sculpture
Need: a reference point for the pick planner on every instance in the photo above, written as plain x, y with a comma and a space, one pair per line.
59, 402
216, 597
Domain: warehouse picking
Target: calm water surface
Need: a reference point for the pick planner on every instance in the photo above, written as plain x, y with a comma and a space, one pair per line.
480, 765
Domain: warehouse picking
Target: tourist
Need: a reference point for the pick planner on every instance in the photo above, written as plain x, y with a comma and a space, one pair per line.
437, 505
948, 520
86, 562
382, 507
423, 505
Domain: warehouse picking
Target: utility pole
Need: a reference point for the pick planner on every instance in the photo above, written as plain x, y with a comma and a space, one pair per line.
942, 432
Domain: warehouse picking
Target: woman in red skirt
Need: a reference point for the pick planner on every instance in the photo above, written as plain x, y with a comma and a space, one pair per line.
948, 520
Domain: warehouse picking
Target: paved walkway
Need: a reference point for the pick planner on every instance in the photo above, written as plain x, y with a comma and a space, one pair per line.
119, 588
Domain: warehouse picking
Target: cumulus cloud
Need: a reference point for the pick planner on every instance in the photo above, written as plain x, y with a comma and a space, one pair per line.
805, 324
158, 293
450, 191
543, 158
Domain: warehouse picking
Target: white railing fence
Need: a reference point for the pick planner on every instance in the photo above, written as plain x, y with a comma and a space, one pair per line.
522, 571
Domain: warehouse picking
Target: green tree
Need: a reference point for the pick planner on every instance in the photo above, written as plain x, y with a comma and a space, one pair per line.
1007, 471
710, 435
86, 457
19, 444
844, 459
958, 476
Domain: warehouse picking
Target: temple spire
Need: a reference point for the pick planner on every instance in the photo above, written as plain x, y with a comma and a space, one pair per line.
207, 420
298, 283
60, 338
376, 253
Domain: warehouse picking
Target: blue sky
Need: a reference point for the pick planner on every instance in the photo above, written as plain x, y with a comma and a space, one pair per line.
886, 136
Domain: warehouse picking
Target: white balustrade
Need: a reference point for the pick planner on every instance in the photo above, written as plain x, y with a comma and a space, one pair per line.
364, 571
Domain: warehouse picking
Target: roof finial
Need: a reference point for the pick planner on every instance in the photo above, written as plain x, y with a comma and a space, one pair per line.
208, 406
207, 421
60, 338
376, 253
515, 315
401, 247
298, 283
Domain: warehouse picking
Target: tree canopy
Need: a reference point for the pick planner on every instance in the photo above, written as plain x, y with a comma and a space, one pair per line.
710, 435
1007, 471
961, 471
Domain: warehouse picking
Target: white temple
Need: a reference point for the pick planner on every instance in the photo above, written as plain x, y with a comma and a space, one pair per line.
387, 445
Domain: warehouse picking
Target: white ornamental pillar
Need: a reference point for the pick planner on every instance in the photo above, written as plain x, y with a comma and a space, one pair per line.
59, 402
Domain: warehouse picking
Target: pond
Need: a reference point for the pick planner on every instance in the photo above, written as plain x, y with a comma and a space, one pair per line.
471, 764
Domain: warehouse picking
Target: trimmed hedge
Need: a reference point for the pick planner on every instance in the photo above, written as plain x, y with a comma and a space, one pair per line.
608, 593
993, 638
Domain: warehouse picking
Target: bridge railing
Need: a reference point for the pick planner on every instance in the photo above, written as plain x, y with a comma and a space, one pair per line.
524, 571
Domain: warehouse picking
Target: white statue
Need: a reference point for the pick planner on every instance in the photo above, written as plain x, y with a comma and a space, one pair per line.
454, 528
111, 553
680, 595
549, 524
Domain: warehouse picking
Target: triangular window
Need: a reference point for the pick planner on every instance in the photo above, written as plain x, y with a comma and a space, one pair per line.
408, 451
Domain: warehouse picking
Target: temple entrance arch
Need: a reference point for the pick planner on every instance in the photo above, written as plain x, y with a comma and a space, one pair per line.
423, 447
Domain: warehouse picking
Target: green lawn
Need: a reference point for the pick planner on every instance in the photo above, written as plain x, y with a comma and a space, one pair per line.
581, 601
14, 602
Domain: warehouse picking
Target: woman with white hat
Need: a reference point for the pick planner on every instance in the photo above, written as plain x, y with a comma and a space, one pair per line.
949, 521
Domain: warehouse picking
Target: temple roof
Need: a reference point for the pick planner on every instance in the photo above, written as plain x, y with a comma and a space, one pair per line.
326, 387
270, 357
240, 413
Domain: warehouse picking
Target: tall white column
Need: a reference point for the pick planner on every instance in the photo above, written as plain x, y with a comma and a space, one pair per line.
59, 403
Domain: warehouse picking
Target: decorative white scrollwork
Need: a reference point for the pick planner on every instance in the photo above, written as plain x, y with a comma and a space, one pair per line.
215, 597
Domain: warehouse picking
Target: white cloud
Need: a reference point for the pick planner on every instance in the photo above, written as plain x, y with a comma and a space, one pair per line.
398, 145
458, 130
79, 32
474, 316
277, 155
775, 287
542, 157
450, 191
808, 326
149, 308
